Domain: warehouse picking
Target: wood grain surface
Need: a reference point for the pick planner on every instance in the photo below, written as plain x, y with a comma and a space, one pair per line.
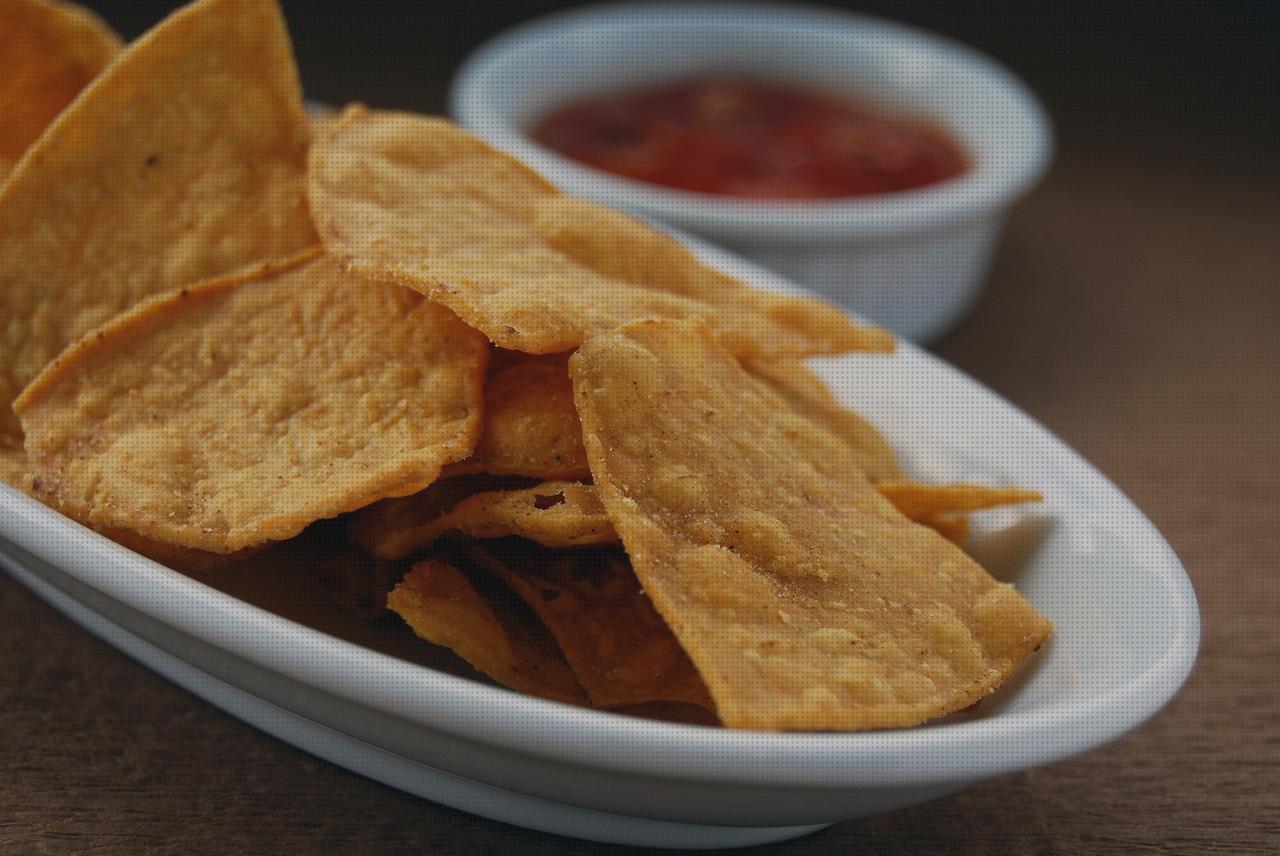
1134, 309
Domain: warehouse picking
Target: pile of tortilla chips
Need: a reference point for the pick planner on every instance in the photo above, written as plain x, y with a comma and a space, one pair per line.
555, 442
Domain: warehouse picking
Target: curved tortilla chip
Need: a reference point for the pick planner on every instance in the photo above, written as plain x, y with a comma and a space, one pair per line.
391, 528
242, 409
617, 645
530, 426
922, 501
554, 514
418, 201
491, 631
943, 507
48, 52
182, 161
809, 396
806, 601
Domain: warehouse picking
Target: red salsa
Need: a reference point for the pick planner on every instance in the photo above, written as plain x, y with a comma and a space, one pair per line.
755, 140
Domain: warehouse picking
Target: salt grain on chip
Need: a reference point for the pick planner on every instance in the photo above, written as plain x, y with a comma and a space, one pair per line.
416, 200
240, 410
806, 601
182, 161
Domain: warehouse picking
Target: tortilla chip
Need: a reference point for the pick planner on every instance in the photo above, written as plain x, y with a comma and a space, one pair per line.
394, 528
48, 53
492, 631
617, 645
922, 501
530, 426
806, 601
237, 411
943, 507
809, 396
553, 514
182, 161
418, 201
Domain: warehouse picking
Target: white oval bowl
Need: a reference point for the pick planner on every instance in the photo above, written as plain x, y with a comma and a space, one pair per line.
1126, 630
913, 261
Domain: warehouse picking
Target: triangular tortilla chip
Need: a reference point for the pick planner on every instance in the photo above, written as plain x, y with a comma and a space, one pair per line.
492, 630
806, 601
417, 200
49, 51
182, 161
240, 410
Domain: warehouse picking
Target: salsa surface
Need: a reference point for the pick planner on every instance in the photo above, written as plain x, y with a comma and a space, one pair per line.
749, 139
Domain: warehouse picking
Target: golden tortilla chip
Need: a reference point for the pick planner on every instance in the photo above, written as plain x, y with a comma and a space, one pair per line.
182, 161
922, 501
943, 507
418, 201
48, 52
617, 645
492, 631
394, 528
554, 513
806, 601
809, 396
240, 410
530, 426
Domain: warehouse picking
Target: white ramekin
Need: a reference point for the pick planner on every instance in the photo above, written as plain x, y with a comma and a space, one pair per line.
913, 261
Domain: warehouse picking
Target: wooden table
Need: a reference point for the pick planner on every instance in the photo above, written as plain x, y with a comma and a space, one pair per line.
1134, 309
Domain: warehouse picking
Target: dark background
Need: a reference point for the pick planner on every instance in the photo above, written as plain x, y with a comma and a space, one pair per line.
1158, 78
1133, 308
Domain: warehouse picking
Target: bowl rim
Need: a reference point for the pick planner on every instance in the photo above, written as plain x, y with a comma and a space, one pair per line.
1006, 741
992, 184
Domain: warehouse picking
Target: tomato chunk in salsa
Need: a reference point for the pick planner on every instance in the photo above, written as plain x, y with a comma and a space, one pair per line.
750, 139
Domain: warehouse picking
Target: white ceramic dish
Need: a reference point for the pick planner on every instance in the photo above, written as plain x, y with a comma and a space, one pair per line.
1126, 634
912, 261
